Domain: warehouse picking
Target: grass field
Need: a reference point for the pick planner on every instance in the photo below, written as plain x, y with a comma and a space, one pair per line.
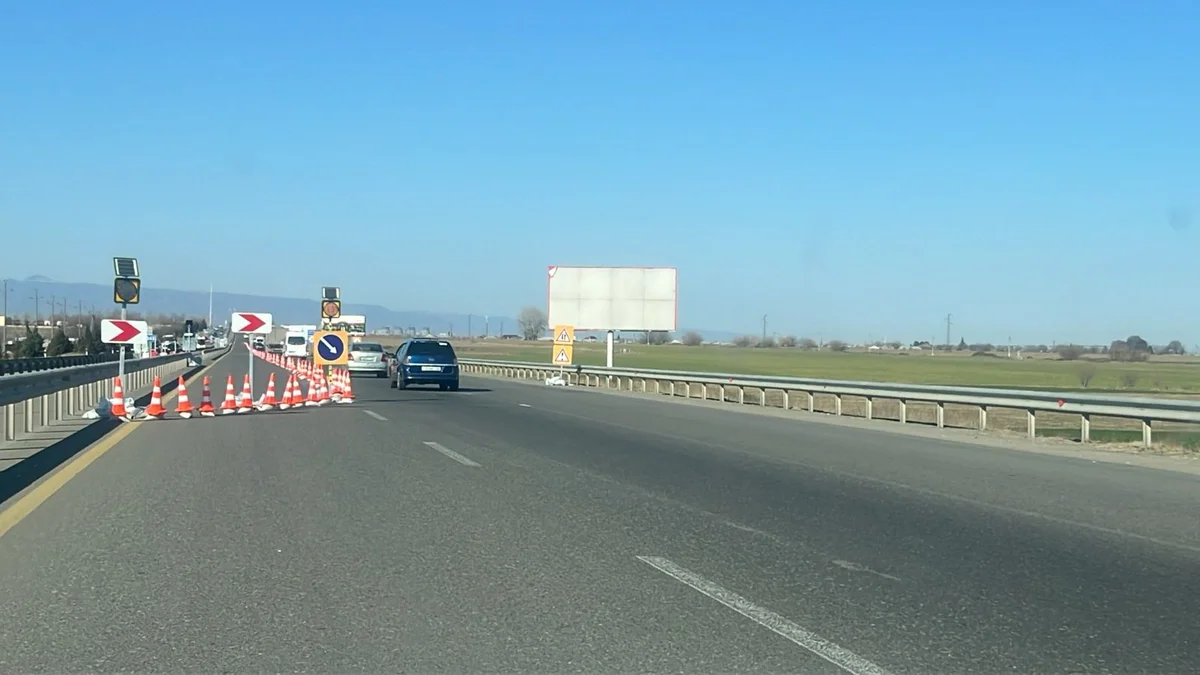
1167, 375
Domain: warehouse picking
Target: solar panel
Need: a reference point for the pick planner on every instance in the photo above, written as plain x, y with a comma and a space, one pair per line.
126, 267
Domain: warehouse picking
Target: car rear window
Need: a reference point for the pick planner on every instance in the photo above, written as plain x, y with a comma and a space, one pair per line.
366, 347
439, 349
296, 340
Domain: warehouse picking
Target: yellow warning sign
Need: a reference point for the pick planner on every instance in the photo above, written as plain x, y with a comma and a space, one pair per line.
563, 354
564, 335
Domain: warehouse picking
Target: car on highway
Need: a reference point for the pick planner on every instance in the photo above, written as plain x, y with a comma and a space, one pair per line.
367, 358
425, 361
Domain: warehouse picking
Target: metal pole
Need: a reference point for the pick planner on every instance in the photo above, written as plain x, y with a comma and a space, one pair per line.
121, 348
250, 352
4, 344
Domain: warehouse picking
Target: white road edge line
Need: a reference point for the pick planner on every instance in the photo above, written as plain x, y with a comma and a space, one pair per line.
376, 415
451, 454
842, 658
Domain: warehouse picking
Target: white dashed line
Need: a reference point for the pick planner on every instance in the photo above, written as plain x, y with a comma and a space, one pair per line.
376, 415
524, 405
857, 567
451, 454
838, 656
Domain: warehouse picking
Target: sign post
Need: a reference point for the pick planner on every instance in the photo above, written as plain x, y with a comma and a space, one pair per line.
331, 308
564, 348
250, 323
127, 290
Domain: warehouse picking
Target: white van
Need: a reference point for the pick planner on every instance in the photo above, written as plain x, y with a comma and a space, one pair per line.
295, 343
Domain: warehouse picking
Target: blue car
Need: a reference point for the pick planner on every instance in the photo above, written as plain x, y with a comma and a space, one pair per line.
425, 361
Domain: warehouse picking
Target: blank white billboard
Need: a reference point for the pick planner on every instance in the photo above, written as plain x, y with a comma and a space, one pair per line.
613, 298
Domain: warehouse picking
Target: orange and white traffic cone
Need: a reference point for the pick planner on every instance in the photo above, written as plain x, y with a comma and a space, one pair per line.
314, 394
118, 399
206, 406
335, 388
156, 411
348, 394
247, 402
286, 401
229, 406
269, 401
183, 405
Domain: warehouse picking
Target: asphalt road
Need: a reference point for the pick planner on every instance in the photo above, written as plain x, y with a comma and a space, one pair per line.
518, 528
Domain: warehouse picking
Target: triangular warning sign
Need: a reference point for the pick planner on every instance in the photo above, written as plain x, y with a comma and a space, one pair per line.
563, 337
562, 357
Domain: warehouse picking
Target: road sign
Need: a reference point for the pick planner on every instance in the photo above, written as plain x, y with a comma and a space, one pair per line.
250, 322
331, 309
564, 335
127, 291
331, 348
121, 332
563, 354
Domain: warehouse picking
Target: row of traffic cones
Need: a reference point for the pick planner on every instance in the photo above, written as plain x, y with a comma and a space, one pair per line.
320, 391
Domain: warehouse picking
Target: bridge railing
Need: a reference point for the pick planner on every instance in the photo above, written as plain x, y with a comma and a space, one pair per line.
1145, 409
41, 397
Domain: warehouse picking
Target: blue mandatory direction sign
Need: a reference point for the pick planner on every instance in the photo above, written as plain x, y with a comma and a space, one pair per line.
329, 348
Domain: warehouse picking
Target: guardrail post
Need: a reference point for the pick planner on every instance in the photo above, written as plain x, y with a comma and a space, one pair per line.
657, 386
903, 411
1031, 423
870, 404
941, 415
837, 404
812, 402
27, 411
763, 398
1085, 428
787, 400
10, 422
1146, 434
741, 395
45, 410
983, 418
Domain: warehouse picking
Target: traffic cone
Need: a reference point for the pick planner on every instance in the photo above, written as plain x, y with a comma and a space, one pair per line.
286, 401
335, 392
348, 395
269, 402
155, 410
229, 406
322, 390
206, 406
247, 403
183, 405
118, 399
314, 397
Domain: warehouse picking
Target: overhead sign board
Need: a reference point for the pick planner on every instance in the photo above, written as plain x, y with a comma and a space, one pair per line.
563, 354
564, 335
331, 348
122, 332
250, 322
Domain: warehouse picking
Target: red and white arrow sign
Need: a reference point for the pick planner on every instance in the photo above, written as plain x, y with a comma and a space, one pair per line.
121, 332
250, 322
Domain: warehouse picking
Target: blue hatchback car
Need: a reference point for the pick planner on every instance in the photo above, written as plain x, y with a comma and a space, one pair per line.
425, 361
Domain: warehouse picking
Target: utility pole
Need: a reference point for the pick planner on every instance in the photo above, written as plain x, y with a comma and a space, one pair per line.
764, 335
79, 329
210, 303
949, 322
469, 317
4, 327
37, 307
486, 325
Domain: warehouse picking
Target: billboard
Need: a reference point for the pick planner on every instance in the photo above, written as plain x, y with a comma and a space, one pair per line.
612, 298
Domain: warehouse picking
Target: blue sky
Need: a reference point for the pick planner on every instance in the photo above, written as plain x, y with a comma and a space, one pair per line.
852, 169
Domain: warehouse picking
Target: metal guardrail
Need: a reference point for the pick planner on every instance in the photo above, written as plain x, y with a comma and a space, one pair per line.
1147, 410
57, 393
16, 366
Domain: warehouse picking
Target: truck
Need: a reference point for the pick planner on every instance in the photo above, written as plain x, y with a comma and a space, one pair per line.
355, 325
297, 341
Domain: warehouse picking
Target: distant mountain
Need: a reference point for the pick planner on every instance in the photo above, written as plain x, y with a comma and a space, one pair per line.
98, 297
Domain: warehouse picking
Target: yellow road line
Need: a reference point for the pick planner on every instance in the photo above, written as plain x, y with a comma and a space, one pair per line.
25, 504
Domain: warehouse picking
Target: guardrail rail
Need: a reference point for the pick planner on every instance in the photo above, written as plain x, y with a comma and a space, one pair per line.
1146, 410
52, 395
43, 363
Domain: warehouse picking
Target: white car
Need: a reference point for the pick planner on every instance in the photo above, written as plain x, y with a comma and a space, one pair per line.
367, 358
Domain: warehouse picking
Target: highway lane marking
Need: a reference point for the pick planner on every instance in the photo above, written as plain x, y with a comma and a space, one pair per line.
856, 567
376, 415
27, 503
831, 652
524, 405
1179, 546
451, 454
